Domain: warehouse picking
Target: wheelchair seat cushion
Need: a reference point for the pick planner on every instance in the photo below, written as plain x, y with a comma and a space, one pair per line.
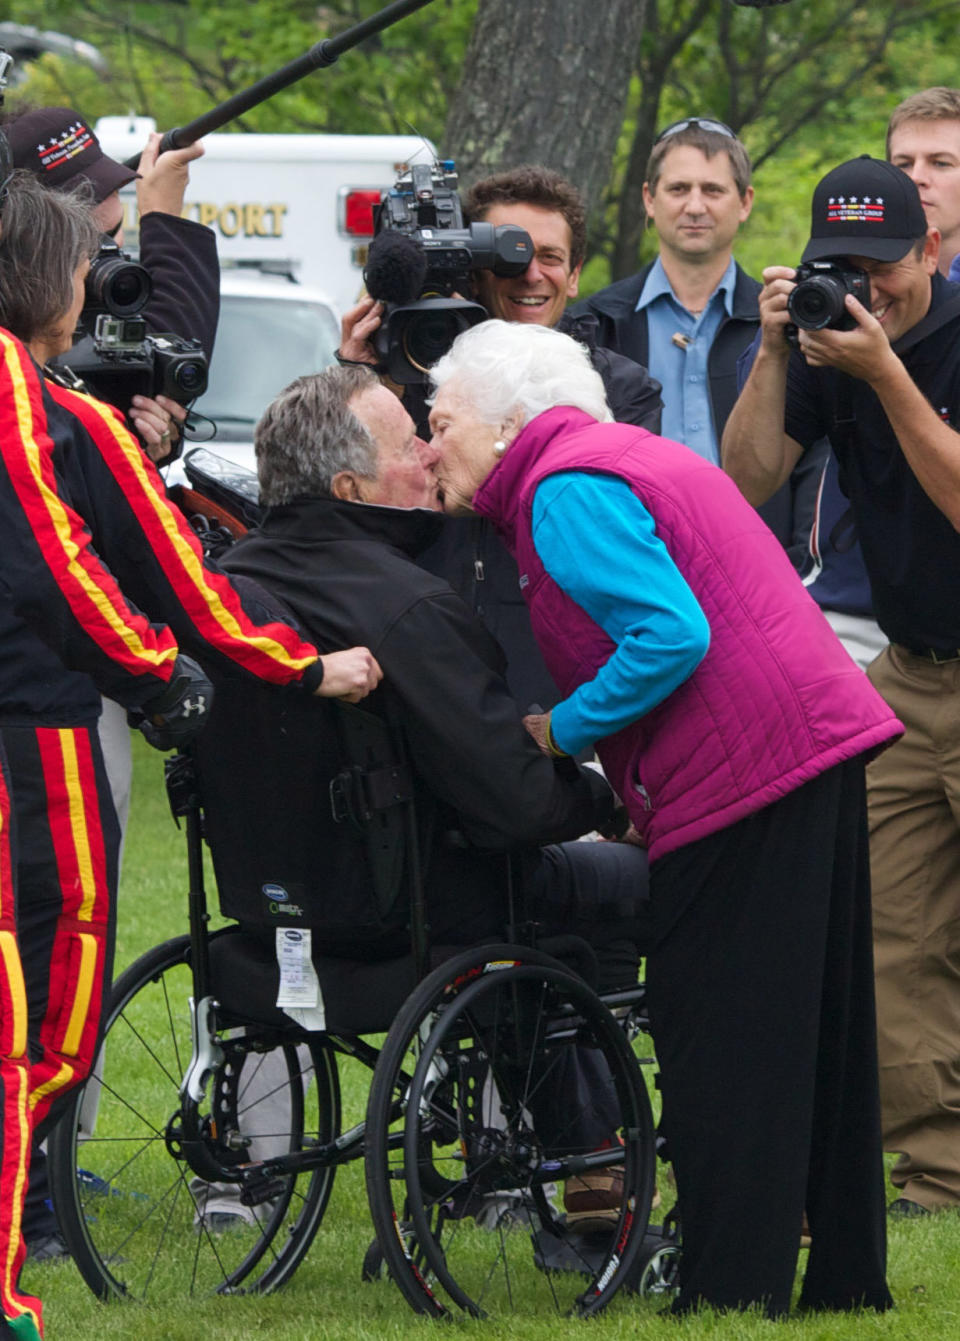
359, 997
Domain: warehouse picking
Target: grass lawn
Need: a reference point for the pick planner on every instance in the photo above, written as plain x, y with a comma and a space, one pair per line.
326, 1298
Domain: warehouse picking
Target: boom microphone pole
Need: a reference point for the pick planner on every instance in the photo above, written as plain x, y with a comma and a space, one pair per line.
322, 54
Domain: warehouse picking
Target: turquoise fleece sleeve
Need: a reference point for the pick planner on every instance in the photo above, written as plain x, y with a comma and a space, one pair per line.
599, 544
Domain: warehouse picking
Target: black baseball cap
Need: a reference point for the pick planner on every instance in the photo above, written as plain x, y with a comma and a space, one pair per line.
57, 145
865, 207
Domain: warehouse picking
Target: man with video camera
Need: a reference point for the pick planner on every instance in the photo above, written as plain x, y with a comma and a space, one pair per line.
180, 256
468, 554
865, 350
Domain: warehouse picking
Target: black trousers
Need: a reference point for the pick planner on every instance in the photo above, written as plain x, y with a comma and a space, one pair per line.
760, 985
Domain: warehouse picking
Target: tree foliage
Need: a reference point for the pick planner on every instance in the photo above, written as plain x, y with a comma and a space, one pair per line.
174, 59
770, 74
806, 84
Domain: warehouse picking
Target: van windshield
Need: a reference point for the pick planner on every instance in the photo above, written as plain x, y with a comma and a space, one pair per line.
262, 345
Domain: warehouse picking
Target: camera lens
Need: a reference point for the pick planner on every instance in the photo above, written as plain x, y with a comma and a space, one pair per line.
428, 336
118, 285
817, 302
190, 378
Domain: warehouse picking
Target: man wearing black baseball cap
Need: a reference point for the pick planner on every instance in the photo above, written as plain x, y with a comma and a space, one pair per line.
58, 146
886, 392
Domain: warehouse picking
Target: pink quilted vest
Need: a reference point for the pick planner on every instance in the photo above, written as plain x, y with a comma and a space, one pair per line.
775, 701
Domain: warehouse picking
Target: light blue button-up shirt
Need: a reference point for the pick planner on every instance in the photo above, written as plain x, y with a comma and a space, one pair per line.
687, 415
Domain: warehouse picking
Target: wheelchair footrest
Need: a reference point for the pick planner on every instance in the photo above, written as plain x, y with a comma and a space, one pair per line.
586, 1253
260, 1188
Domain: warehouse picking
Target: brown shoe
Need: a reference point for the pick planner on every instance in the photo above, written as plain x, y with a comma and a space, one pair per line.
592, 1200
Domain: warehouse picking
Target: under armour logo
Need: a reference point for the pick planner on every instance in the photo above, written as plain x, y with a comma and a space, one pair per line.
197, 705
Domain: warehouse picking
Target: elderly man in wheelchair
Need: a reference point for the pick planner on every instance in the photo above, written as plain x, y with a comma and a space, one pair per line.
507, 1140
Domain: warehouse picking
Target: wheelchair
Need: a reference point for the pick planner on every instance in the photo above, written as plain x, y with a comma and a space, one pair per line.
199, 1157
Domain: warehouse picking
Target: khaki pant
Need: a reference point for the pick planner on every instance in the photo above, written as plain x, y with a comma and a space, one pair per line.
914, 807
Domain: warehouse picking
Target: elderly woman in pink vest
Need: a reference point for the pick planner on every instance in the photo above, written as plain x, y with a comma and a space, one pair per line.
736, 729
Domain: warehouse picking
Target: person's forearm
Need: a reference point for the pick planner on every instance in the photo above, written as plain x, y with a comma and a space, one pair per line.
932, 448
754, 450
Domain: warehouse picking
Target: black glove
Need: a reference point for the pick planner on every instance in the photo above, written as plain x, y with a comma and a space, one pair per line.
177, 714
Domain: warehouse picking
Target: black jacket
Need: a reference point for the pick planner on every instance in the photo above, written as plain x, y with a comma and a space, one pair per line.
632, 394
623, 329
347, 572
181, 258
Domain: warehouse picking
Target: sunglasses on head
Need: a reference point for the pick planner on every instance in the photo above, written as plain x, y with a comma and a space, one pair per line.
701, 122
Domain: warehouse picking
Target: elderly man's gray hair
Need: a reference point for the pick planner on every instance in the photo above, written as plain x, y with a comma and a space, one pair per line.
309, 434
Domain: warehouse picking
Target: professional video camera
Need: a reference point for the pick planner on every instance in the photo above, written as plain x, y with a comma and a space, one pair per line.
421, 259
115, 357
817, 303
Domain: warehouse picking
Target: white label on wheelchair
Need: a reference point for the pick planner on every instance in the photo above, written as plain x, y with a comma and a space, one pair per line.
299, 992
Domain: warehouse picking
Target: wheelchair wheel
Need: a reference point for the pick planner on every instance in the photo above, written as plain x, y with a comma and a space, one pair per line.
499, 1080
137, 1220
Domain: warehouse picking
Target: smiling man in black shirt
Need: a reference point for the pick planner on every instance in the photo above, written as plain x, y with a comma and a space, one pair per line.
886, 391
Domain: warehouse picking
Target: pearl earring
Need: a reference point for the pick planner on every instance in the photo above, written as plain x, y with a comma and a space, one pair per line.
499, 447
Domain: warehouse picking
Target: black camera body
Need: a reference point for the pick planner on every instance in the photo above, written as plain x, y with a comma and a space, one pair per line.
120, 361
817, 302
115, 358
421, 323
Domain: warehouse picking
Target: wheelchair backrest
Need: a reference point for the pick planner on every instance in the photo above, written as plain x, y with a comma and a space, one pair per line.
305, 813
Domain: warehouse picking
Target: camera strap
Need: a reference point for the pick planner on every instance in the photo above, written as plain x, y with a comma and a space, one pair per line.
65, 377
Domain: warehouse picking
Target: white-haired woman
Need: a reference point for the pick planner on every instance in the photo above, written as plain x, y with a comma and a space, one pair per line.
736, 730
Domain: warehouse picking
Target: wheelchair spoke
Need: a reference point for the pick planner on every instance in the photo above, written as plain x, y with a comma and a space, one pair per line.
517, 1085
138, 1220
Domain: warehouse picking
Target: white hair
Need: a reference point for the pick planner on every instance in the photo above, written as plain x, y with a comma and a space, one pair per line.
500, 367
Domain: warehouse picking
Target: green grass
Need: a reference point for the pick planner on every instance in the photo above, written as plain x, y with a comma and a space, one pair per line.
326, 1298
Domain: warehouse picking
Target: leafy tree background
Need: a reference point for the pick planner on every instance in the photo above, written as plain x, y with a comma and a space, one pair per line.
806, 84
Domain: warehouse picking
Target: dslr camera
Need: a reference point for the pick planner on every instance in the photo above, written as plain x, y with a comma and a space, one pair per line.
817, 303
115, 358
422, 256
